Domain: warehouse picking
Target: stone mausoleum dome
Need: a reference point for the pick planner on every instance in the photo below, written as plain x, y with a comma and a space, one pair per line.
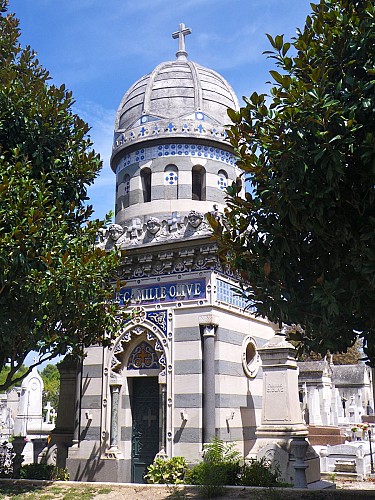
179, 98
171, 154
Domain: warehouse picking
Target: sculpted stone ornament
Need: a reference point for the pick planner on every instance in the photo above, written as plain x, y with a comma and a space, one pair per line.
195, 219
195, 224
115, 231
153, 230
153, 225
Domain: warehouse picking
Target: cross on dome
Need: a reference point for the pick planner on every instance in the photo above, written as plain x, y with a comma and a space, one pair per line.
180, 34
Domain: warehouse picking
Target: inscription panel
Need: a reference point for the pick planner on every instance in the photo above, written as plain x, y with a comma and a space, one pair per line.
276, 398
167, 292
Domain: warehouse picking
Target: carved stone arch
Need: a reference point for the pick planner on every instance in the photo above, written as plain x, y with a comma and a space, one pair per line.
128, 339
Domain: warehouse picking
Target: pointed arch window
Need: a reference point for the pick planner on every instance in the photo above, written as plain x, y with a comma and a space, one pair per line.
198, 183
146, 184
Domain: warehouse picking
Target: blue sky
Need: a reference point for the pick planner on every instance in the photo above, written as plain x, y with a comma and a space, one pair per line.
98, 49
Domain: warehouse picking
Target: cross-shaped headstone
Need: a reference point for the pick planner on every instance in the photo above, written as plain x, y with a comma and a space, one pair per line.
180, 34
149, 417
48, 407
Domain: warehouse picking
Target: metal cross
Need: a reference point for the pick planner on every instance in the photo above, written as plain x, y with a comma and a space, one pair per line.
149, 417
180, 34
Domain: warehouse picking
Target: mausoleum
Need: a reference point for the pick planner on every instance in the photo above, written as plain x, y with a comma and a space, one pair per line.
185, 365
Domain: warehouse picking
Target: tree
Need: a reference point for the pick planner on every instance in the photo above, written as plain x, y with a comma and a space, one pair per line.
55, 296
5, 371
303, 237
352, 356
51, 380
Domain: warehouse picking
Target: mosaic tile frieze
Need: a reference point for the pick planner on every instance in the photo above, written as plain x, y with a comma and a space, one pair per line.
176, 150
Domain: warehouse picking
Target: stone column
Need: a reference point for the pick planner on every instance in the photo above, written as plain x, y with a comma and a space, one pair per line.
115, 386
163, 416
77, 409
208, 323
115, 395
62, 434
163, 402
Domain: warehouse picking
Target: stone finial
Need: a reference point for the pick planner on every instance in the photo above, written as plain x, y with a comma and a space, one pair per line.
180, 34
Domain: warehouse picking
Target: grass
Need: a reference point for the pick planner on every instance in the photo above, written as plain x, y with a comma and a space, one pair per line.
50, 492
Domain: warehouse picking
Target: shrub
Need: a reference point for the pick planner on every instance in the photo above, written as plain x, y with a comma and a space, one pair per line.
259, 473
171, 471
221, 466
220, 452
44, 471
209, 473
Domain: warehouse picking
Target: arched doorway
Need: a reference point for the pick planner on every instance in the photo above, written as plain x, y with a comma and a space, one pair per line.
138, 367
147, 418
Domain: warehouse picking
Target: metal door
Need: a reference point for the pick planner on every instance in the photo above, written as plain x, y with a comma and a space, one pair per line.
145, 428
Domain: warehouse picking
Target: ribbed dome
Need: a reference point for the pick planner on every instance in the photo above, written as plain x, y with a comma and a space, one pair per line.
176, 89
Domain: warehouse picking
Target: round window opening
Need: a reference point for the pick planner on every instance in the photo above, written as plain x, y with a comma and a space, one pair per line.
250, 357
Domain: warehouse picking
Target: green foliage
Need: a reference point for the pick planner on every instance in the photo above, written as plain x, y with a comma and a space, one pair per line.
218, 451
170, 471
4, 372
36, 471
55, 296
210, 477
62, 474
258, 473
215, 474
303, 238
221, 466
44, 471
51, 380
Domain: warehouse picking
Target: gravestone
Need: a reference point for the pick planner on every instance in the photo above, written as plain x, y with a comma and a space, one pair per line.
282, 432
29, 417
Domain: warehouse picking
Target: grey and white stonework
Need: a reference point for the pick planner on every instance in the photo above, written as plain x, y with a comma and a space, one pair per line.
21, 416
185, 365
